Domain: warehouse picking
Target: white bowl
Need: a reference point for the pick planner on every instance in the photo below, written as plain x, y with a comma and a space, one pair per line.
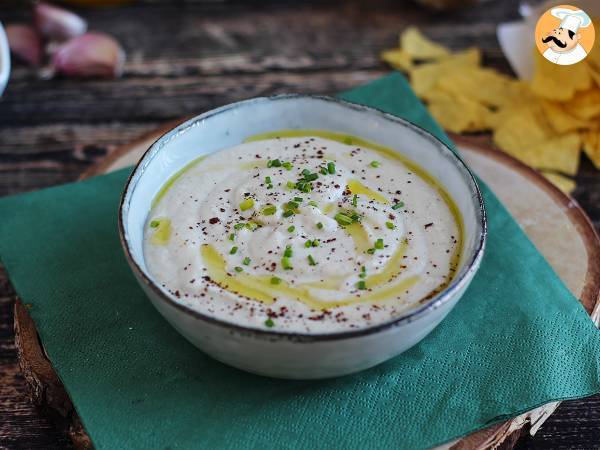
284, 354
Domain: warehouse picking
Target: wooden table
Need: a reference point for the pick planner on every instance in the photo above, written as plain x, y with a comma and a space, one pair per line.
185, 58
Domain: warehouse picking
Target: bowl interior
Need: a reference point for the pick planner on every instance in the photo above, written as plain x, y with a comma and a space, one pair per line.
230, 125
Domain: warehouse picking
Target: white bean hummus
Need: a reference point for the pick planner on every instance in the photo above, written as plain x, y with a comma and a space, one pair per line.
310, 232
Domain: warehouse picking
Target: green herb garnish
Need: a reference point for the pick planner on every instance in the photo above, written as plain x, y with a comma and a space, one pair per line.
343, 219
275, 280
231, 237
379, 244
287, 165
291, 228
233, 250
238, 269
398, 205
375, 164
239, 226
362, 285
288, 213
246, 261
287, 252
308, 244
247, 204
269, 323
269, 210
311, 261
154, 223
390, 225
354, 200
286, 264
331, 167
319, 225
315, 243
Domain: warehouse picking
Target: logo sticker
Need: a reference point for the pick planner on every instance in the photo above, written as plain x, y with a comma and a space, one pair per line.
564, 35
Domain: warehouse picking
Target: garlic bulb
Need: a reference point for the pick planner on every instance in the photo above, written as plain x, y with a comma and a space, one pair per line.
90, 55
57, 23
25, 43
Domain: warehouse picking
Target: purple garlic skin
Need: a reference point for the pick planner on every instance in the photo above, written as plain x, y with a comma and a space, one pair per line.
25, 43
90, 55
57, 24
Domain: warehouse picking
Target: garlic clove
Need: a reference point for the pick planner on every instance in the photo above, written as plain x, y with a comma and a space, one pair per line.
57, 23
25, 43
90, 55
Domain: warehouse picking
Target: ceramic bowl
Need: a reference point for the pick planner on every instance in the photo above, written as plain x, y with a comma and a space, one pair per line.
285, 354
4, 59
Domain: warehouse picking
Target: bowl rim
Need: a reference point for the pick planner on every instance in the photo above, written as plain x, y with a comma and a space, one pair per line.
4, 59
411, 315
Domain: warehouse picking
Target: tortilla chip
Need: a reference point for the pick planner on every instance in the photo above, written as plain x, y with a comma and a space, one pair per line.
555, 82
457, 114
585, 104
561, 120
567, 185
413, 42
522, 127
591, 146
560, 154
398, 59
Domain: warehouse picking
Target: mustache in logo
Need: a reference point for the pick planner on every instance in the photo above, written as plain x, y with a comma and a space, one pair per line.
555, 40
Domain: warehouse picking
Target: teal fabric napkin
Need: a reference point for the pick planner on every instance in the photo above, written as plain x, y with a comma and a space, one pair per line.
516, 340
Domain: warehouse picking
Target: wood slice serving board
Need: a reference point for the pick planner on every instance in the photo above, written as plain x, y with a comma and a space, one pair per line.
553, 221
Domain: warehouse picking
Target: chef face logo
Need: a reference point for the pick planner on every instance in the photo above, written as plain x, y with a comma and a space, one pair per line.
564, 35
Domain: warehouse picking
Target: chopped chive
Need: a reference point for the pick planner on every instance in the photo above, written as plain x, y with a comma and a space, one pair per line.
285, 263
269, 163
233, 250
291, 228
247, 204
288, 252
288, 213
238, 269
311, 177
319, 225
375, 164
231, 237
268, 180
390, 225
363, 272
291, 185
362, 285
343, 219
379, 244
239, 226
308, 244
306, 188
275, 163
313, 203
269, 210
269, 323
275, 280
311, 261
252, 226
246, 261
398, 205
354, 200
323, 171
154, 224
331, 167
371, 251
305, 172
298, 199
287, 165
291, 205
315, 243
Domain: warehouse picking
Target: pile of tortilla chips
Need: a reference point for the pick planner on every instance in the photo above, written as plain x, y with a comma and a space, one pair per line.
545, 123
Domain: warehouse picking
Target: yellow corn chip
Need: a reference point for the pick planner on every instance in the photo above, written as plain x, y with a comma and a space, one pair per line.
522, 127
555, 82
457, 114
591, 146
561, 120
398, 59
585, 104
565, 184
413, 42
560, 153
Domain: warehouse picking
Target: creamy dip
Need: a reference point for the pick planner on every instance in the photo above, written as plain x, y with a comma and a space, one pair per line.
305, 231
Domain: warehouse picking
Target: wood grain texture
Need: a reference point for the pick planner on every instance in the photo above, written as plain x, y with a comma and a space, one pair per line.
187, 57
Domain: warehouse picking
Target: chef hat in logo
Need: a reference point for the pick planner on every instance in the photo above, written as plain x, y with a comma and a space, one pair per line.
570, 19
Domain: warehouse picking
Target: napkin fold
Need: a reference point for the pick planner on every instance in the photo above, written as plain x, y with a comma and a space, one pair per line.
516, 340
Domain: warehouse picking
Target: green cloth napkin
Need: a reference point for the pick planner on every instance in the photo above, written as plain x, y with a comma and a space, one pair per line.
516, 340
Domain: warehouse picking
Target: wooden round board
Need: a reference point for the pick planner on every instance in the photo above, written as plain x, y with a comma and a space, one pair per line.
553, 221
